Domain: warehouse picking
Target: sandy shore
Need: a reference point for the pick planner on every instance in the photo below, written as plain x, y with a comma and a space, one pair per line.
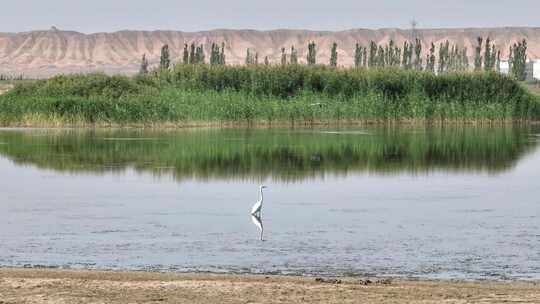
59, 286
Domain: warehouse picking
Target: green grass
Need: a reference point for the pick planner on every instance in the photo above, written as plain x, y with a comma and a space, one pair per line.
202, 94
533, 86
7, 84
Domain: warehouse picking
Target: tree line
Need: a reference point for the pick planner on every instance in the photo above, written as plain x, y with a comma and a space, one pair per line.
5, 77
446, 57
192, 54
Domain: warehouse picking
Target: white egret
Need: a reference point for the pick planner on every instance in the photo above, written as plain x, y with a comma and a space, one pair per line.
256, 212
257, 208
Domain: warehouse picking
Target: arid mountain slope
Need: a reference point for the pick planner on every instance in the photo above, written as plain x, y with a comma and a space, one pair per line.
44, 53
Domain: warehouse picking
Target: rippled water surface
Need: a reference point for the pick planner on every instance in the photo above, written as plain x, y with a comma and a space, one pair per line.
437, 202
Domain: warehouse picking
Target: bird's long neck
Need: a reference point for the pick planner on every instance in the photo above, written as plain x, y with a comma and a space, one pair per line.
261, 195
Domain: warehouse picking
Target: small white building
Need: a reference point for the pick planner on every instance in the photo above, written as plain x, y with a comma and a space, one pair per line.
505, 67
532, 70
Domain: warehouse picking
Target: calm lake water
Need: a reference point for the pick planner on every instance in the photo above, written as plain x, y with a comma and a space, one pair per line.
436, 202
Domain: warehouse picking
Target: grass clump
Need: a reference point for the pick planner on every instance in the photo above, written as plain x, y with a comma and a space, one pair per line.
293, 94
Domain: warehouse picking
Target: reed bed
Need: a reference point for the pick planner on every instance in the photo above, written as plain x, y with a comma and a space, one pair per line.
290, 94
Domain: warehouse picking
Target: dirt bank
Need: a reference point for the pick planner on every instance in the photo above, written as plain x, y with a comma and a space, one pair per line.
56, 286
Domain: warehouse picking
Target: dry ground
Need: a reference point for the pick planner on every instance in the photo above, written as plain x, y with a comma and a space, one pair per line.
58, 286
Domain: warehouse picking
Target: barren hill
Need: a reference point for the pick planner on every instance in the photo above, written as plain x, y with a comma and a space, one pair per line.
44, 53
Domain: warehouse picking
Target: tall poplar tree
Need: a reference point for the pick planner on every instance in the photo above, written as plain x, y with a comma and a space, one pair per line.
478, 55
465, 59
430, 59
381, 57
333, 55
294, 55
372, 61
518, 60
364, 57
312, 53
214, 54
498, 63
444, 57
417, 55
199, 55
165, 60
452, 59
406, 63
493, 60
222, 54
144, 65
185, 58
358, 55
393, 54
487, 55
192, 59
283, 57
249, 57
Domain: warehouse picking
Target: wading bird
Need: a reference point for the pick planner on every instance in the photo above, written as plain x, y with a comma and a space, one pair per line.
256, 212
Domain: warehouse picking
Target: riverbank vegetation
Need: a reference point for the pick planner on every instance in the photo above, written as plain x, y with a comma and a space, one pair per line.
292, 94
533, 86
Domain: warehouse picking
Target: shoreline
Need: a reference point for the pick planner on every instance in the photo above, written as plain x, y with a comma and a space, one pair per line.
89, 286
262, 124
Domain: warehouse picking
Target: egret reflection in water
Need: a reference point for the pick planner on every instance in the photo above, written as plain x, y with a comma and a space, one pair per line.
256, 212
257, 220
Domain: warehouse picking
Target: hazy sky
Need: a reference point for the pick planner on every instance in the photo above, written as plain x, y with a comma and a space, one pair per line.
112, 15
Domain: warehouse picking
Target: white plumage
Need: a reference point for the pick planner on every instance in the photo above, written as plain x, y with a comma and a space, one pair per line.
256, 212
257, 208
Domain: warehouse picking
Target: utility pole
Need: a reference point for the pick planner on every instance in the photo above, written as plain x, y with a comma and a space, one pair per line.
414, 30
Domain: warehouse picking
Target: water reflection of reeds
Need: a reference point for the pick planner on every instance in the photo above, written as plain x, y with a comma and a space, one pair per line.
278, 154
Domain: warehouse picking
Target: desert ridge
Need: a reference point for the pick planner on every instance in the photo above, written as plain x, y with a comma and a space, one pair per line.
48, 52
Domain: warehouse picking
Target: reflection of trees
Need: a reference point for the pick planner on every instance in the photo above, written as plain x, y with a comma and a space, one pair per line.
281, 154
